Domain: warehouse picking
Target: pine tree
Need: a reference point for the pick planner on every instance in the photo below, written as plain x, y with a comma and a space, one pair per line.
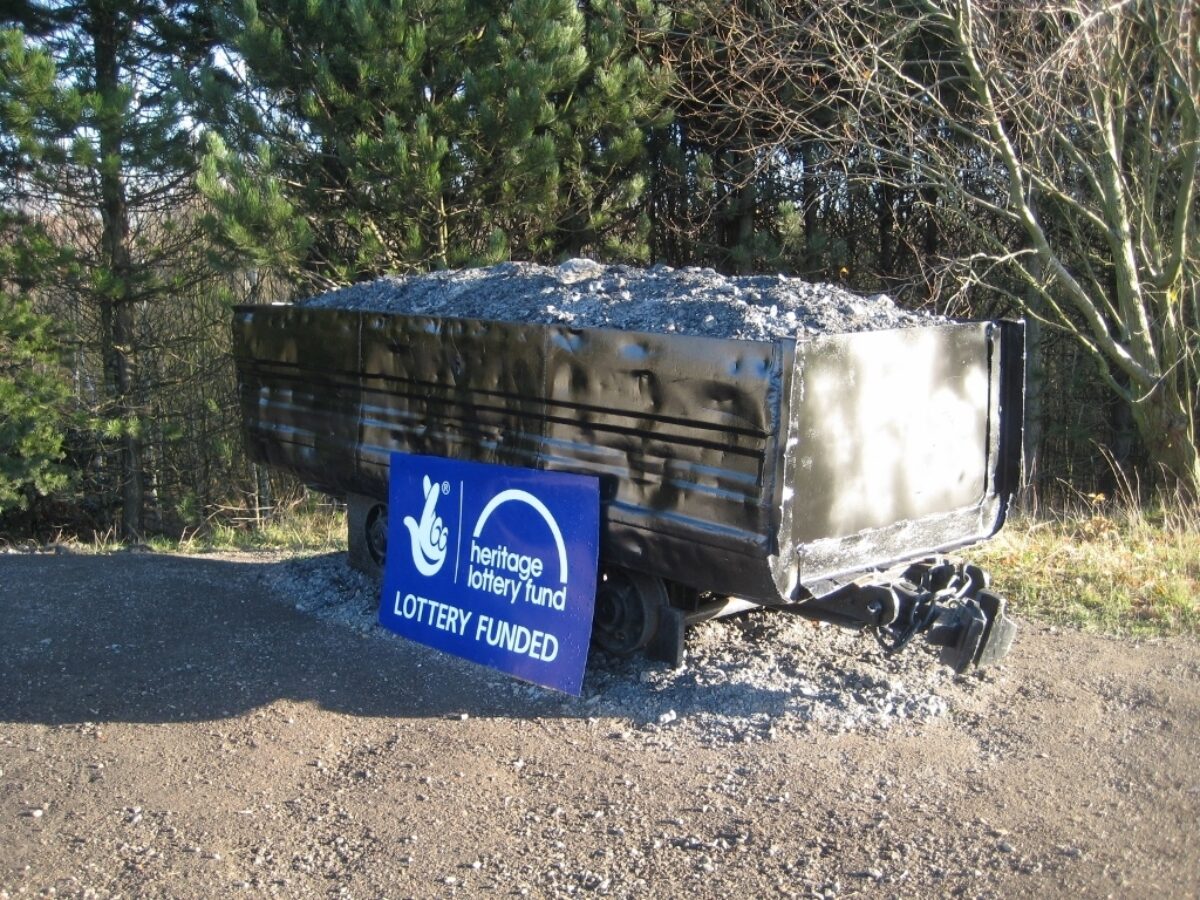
131, 165
333, 164
33, 393
394, 136
33, 401
565, 95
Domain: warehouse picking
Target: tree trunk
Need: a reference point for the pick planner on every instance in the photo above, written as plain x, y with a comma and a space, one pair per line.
930, 242
887, 228
722, 203
117, 314
1035, 387
1167, 428
747, 205
654, 196
808, 203
1035, 380
854, 226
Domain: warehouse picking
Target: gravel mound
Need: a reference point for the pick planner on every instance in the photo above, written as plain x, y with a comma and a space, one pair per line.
583, 293
745, 679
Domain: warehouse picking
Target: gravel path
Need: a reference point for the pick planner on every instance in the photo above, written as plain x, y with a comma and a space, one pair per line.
584, 293
748, 678
175, 727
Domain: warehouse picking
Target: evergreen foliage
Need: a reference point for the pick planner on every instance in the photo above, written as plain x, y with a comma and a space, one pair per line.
397, 136
33, 392
111, 173
33, 400
160, 159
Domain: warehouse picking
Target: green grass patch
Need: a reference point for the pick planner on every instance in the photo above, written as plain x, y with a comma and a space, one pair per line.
306, 523
314, 525
1110, 568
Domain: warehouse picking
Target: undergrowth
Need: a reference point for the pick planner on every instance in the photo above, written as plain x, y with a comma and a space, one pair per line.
1113, 566
1099, 564
308, 523
313, 524
1105, 565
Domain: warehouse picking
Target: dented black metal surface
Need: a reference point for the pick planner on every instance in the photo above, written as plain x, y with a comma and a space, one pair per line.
736, 467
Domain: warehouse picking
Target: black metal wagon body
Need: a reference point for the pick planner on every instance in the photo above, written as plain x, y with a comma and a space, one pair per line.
782, 473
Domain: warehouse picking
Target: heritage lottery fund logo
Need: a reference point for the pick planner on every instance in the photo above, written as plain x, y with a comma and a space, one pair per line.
496, 564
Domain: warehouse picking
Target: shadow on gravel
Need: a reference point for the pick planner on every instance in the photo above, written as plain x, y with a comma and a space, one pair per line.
143, 637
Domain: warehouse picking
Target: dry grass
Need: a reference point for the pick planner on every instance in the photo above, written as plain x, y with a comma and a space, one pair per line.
303, 522
313, 524
1103, 565
1106, 566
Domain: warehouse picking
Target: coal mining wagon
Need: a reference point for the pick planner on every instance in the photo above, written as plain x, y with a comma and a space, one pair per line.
832, 475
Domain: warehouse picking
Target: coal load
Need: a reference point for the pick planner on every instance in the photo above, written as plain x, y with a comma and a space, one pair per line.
586, 294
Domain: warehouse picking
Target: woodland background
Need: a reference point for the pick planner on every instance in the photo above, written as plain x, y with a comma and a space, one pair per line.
162, 161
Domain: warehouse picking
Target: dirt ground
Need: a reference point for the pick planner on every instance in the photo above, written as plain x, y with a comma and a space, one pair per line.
169, 728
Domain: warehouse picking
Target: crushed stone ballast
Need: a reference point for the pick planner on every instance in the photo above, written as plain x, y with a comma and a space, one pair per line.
585, 294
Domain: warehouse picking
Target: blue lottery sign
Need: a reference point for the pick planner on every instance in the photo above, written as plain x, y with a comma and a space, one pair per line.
494, 564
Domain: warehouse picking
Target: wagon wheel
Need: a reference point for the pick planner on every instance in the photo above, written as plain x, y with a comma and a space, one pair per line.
375, 530
628, 606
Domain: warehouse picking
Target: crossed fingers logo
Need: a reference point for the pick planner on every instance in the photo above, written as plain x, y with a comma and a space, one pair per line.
429, 534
